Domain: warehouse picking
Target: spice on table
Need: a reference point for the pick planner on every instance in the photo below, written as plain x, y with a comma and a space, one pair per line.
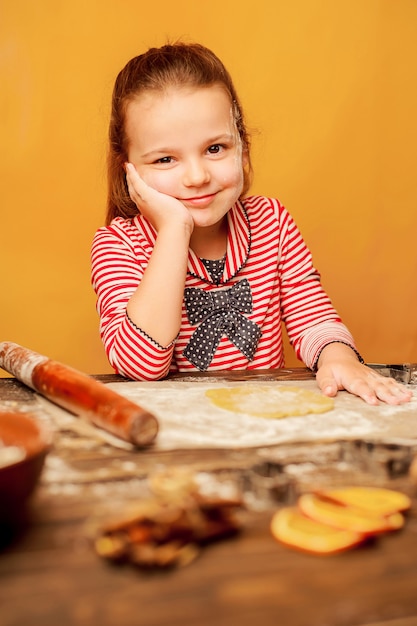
170, 527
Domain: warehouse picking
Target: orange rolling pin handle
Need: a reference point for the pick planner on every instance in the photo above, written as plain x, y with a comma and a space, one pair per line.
80, 394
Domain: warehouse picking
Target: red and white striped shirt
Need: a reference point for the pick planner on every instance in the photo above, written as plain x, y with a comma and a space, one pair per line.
265, 247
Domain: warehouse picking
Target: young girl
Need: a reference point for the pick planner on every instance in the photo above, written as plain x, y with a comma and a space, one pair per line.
189, 272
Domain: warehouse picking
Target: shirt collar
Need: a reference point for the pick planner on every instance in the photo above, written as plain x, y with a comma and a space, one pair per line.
238, 247
238, 244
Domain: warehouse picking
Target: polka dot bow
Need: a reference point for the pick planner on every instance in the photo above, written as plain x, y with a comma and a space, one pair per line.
219, 313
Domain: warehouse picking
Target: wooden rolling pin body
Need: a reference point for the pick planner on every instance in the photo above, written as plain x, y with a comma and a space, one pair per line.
80, 394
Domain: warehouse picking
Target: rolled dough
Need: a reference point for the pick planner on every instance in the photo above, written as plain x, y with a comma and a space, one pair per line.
270, 402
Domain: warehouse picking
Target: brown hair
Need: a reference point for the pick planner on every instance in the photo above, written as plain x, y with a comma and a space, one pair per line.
157, 69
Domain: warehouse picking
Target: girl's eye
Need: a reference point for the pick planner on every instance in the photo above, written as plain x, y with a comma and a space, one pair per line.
164, 160
215, 149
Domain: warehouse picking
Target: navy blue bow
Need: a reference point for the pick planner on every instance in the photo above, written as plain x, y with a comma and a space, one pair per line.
220, 313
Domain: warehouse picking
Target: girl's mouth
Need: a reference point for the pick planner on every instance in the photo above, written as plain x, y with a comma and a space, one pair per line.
199, 201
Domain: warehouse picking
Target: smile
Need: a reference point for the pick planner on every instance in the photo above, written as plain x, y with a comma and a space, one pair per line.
199, 201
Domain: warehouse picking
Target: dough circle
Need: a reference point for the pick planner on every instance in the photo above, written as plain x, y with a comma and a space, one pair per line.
270, 402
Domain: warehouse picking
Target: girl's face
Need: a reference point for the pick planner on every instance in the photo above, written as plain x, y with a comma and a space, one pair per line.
184, 143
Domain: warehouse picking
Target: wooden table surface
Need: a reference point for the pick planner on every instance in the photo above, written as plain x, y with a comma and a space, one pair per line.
51, 576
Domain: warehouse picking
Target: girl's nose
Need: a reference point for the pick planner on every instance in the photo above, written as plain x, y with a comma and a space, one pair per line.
196, 173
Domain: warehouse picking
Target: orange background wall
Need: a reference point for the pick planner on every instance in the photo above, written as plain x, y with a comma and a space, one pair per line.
330, 92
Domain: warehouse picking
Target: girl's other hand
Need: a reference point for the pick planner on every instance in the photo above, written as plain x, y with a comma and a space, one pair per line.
339, 368
158, 208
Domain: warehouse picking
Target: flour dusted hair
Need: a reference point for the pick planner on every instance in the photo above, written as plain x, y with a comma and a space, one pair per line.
158, 69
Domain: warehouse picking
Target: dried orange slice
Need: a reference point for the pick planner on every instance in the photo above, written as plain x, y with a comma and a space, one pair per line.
377, 500
347, 517
296, 530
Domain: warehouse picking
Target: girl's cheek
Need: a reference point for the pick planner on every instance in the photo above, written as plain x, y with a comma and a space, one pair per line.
234, 174
161, 181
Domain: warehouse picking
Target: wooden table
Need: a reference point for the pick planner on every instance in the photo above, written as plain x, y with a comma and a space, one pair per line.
50, 575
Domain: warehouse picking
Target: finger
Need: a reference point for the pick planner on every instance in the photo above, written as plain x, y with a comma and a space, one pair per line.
392, 392
360, 384
388, 389
363, 389
136, 186
327, 384
130, 170
379, 388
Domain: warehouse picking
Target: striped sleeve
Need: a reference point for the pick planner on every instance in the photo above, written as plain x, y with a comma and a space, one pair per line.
309, 316
117, 263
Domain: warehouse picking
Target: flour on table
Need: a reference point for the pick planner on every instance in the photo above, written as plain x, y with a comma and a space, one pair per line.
188, 419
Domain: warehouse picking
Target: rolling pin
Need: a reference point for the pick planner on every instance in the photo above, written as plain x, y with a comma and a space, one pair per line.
80, 394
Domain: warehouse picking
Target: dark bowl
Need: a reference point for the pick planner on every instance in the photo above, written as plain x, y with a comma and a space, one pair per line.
19, 477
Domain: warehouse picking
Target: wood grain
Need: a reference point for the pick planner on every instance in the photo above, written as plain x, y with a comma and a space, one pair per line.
50, 575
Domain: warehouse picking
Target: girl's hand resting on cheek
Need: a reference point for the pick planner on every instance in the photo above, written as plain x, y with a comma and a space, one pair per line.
158, 208
339, 368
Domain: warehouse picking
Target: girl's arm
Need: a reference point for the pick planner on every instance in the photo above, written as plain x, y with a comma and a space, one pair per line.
139, 288
316, 331
155, 306
119, 255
